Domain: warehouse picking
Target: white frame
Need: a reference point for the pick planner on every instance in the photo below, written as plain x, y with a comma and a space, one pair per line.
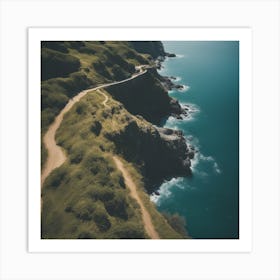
262, 16
243, 35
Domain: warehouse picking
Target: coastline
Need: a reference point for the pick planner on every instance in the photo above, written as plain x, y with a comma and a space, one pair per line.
163, 152
209, 200
186, 112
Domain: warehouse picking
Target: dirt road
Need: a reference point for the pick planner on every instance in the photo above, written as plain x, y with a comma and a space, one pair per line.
149, 227
56, 155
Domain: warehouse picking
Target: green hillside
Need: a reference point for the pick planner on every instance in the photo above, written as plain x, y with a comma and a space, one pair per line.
87, 197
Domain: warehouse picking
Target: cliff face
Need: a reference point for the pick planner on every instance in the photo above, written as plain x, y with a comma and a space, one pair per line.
147, 97
159, 152
154, 48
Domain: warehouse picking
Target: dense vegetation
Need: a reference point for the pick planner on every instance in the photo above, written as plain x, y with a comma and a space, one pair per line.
86, 197
154, 48
69, 67
72, 66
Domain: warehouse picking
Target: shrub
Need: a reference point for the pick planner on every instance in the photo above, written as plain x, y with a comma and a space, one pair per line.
100, 193
119, 73
57, 64
117, 206
77, 153
121, 181
54, 100
84, 209
81, 108
56, 177
128, 230
74, 83
101, 69
47, 117
96, 128
97, 164
101, 219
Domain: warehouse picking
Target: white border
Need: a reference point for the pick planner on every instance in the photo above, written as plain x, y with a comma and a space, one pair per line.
243, 35
262, 262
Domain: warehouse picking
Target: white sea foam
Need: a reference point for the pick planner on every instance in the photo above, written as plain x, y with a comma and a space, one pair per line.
216, 168
206, 158
184, 89
177, 79
172, 123
180, 55
192, 110
199, 157
195, 161
165, 190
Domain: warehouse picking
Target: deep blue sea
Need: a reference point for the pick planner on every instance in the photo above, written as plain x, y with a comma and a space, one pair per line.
209, 200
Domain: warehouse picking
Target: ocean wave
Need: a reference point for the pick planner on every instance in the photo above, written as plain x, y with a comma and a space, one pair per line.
164, 191
171, 123
216, 168
195, 161
199, 157
184, 89
191, 109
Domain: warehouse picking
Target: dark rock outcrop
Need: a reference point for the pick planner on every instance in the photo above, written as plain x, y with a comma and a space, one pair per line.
169, 84
161, 153
146, 96
170, 54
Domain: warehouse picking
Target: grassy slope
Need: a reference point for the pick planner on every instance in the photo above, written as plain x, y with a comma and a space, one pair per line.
86, 197
97, 66
89, 181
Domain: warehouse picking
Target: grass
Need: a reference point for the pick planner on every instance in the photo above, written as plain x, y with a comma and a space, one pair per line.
87, 194
86, 197
161, 224
70, 67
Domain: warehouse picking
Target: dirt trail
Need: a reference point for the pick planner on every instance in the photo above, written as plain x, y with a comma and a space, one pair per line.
149, 227
105, 99
56, 155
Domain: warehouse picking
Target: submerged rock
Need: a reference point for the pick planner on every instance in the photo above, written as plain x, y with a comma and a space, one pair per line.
170, 54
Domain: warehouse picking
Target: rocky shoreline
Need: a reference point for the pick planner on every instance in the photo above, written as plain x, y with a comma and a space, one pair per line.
167, 81
160, 153
179, 112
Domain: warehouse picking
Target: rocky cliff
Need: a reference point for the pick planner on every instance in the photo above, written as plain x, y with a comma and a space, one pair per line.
146, 96
160, 153
153, 48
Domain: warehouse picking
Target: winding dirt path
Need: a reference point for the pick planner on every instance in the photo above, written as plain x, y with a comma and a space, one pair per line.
105, 99
147, 221
56, 155
149, 227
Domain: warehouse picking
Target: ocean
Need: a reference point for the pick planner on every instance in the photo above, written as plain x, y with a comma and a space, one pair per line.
209, 200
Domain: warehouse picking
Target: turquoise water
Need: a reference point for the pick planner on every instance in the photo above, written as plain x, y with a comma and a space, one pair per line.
210, 199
